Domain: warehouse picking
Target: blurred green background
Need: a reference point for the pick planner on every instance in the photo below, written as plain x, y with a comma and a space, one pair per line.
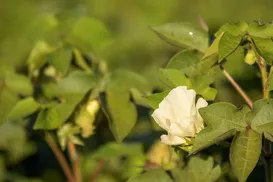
133, 46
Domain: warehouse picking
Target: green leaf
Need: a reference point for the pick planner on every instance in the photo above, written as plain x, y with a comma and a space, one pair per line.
7, 101
227, 45
234, 29
261, 118
222, 120
173, 78
213, 49
121, 111
184, 35
61, 60
89, 35
158, 175
79, 60
48, 119
23, 108
38, 55
245, 152
18, 84
265, 49
202, 170
154, 99
201, 83
77, 82
112, 150
190, 62
262, 31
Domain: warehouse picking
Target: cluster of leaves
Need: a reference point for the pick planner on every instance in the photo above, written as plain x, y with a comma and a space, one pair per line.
196, 68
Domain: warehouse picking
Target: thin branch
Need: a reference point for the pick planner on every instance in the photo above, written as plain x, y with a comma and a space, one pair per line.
238, 88
60, 157
75, 161
98, 169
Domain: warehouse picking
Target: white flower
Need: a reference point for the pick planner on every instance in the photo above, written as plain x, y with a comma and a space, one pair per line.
178, 114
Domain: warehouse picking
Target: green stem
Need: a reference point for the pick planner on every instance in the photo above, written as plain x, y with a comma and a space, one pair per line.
266, 146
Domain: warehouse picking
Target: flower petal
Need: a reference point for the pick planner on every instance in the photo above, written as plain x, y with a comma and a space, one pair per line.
184, 129
161, 120
172, 140
199, 124
201, 103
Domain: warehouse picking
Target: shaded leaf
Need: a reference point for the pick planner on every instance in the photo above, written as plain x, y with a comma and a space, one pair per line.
158, 175
245, 152
202, 170
121, 111
112, 150
184, 35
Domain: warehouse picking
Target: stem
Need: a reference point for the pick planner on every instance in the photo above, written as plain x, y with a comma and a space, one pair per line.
266, 147
60, 157
98, 169
76, 163
238, 88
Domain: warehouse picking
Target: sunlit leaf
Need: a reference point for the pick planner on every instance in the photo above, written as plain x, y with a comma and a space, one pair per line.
213, 49
23, 108
265, 49
184, 35
258, 30
234, 29
227, 45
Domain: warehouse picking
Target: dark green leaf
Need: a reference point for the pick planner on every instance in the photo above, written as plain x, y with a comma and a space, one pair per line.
158, 175
245, 152
122, 112
113, 150
184, 35
222, 120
